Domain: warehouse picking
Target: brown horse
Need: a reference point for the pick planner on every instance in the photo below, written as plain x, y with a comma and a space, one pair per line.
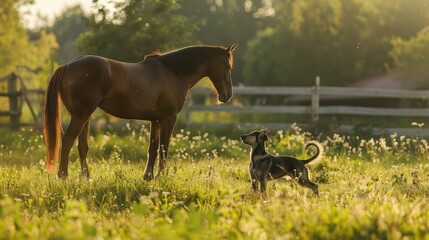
153, 89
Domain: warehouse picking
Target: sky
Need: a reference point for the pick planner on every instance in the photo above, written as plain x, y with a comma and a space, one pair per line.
50, 9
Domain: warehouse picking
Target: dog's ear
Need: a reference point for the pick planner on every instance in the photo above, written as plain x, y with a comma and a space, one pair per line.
263, 135
265, 130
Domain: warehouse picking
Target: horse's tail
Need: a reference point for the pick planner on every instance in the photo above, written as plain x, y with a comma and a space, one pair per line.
318, 154
52, 123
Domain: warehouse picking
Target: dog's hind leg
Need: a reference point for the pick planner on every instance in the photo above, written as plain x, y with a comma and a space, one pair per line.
305, 182
316, 190
313, 187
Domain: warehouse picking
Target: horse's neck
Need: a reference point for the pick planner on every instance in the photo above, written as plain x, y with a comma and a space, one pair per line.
191, 66
196, 77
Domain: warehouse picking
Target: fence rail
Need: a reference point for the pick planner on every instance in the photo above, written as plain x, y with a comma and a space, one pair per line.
18, 94
314, 109
373, 93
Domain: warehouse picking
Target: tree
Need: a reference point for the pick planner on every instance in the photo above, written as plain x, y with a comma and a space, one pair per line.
411, 59
18, 46
340, 40
67, 27
260, 65
136, 29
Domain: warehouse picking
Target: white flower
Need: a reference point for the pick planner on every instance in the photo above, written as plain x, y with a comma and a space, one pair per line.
417, 124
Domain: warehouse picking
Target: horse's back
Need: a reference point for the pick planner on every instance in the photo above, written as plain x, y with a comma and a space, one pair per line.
126, 90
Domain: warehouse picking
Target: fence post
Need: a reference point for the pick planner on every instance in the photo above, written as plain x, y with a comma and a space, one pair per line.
315, 98
12, 85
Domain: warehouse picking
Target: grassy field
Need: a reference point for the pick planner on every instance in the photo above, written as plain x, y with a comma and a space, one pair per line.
369, 189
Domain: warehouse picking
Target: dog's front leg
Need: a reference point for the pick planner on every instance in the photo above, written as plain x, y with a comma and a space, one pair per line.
253, 177
253, 180
254, 184
263, 182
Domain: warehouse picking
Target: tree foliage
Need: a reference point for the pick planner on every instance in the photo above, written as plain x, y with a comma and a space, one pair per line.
67, 28
137, 28
411, 59
340, 40
18, 46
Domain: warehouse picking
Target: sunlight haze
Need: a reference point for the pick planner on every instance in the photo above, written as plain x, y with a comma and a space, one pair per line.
49, 9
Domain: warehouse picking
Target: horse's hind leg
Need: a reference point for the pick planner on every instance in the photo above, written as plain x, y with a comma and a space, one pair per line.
83, 149
75, 128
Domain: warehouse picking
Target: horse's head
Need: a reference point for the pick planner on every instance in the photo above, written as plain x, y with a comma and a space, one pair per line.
220, 74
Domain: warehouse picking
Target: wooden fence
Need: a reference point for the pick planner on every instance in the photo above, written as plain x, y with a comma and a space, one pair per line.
314, 109
18, 95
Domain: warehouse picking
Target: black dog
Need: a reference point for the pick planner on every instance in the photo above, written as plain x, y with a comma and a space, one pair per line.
264, 166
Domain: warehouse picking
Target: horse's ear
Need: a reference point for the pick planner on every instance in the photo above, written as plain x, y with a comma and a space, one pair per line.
232, 48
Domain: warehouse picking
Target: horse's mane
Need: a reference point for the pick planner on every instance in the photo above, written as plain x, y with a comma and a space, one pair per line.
152, 55
186, 60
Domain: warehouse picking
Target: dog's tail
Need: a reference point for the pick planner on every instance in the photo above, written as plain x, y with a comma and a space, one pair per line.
318, 154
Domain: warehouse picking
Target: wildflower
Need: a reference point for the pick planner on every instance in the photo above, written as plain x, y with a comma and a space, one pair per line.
417, 124
154, 194
165, 193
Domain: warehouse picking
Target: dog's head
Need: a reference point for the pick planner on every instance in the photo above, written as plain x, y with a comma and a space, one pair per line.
255, 138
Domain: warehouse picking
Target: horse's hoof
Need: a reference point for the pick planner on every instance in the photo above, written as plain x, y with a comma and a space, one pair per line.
148, 177
85, 174
158, 175
82, 175
62, 174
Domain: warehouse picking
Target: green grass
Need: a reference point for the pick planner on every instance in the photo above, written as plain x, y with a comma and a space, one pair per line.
369, 189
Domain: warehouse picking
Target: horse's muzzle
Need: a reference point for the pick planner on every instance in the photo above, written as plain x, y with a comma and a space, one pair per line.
225, 97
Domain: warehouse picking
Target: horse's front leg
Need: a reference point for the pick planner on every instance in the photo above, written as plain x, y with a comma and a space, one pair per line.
167, 127
153, 150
